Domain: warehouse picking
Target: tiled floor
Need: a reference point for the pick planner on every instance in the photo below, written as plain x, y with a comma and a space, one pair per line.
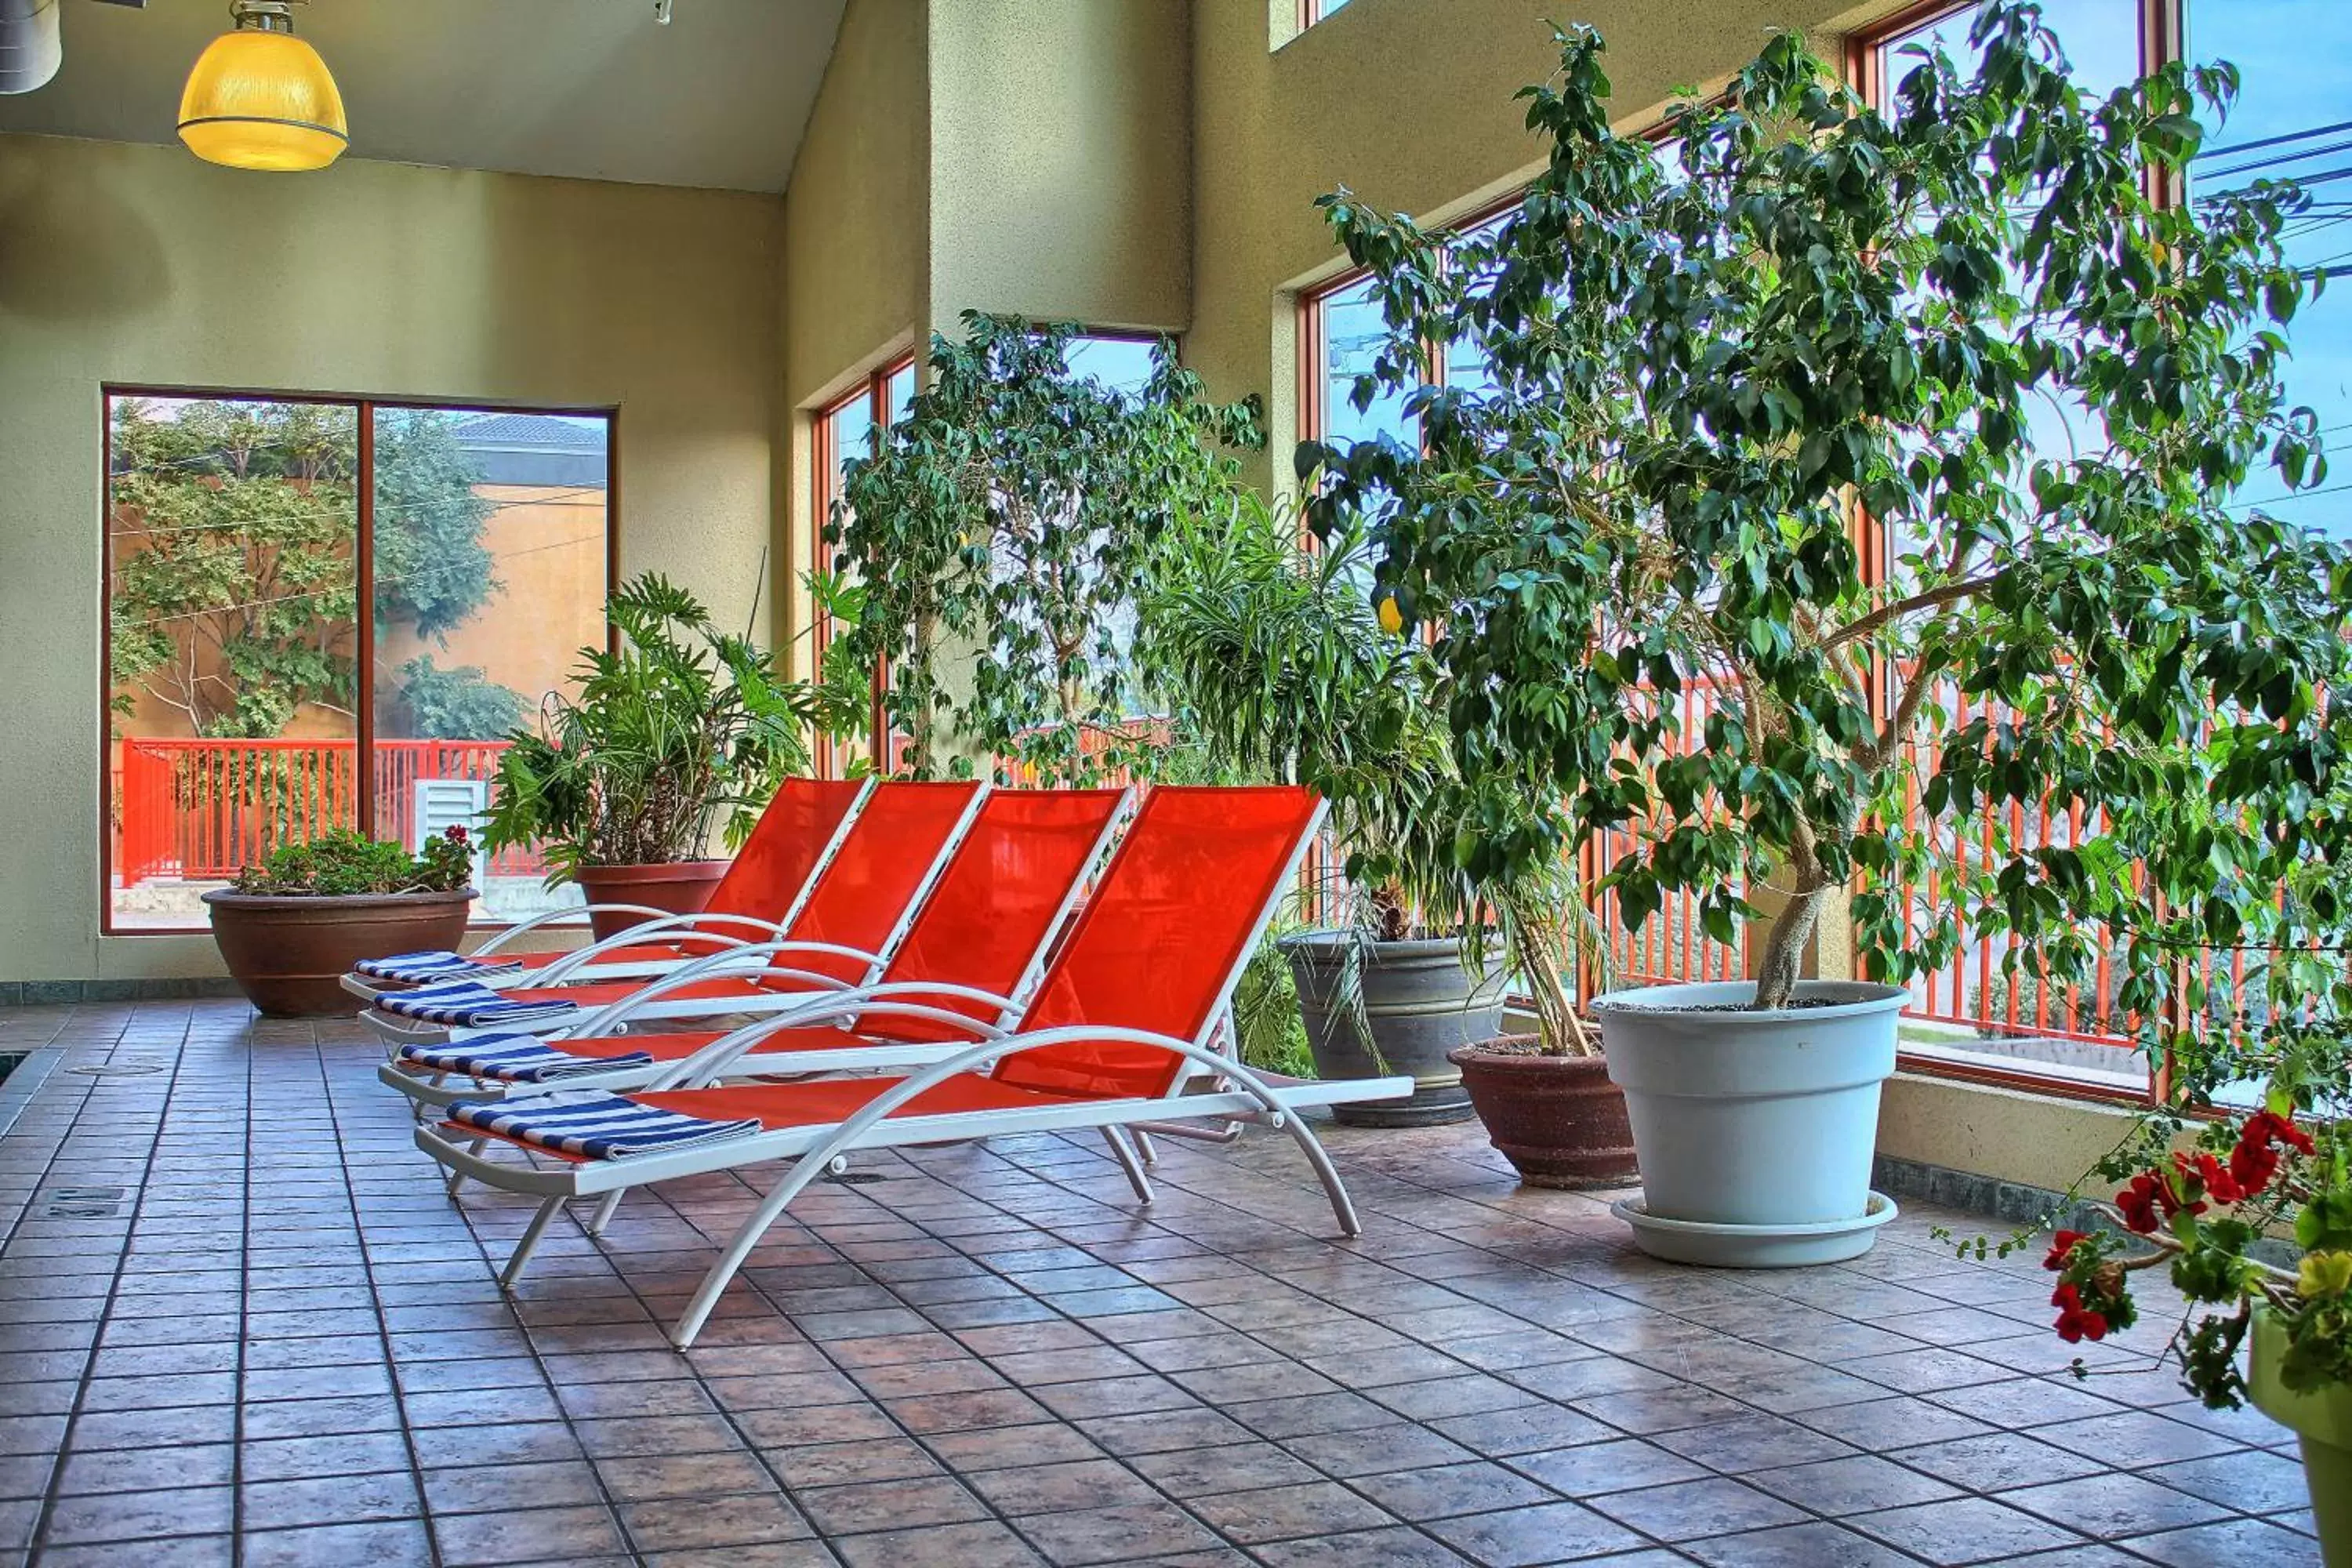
242, 1324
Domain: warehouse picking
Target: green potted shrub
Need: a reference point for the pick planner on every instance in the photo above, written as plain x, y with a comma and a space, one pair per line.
1000, 536
1710, 382
681, 733
1283, 665
290, 929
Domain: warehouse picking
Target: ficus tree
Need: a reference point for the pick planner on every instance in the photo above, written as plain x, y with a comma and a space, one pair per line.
1000, 534
1719, 368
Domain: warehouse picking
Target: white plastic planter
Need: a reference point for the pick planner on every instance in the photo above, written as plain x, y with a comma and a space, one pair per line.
1754, 1129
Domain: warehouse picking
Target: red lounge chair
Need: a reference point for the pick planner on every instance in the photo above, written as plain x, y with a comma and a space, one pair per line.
863, 900
761, 890
1120, 1035
986, 929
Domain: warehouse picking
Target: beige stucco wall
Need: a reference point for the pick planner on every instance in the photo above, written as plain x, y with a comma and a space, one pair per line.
1408, 104
857, 261
140, 264
1061, 161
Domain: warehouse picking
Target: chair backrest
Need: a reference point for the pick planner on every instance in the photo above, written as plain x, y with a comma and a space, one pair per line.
1163, 939
776, 862
1005, 893
867, 894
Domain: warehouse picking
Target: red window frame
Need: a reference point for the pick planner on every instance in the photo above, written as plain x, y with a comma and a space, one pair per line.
363, 563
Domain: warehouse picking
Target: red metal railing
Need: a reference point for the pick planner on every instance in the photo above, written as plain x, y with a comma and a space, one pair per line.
205, 809
1973, 991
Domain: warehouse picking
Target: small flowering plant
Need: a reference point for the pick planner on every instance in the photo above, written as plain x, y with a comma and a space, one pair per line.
340, 862
2209, 1211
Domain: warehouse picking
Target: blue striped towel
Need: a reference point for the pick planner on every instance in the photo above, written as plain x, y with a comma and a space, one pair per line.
597, 1126
433, 963
469, 1004
514, 1058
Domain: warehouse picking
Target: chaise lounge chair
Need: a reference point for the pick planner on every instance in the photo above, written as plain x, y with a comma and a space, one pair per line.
986, 929
1120, 1035
860, 905
761, 890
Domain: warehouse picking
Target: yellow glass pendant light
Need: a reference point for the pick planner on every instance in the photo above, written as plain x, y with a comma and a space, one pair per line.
260, 98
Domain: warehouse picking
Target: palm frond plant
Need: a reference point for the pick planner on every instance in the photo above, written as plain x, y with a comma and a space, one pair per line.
1280, 666
679, 735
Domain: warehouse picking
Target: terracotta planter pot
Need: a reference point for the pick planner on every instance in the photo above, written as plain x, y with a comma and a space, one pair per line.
677, 887
1557, 1118
286, 952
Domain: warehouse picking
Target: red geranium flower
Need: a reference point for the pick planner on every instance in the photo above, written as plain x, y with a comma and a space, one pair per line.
2062, 1246
2205, 1170
2077, 1322
2255, 1160
2140, 1201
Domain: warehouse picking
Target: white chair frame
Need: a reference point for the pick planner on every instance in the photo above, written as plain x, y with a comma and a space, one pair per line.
819, 1149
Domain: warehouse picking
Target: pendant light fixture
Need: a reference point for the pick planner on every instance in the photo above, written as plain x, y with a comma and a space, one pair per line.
260, 98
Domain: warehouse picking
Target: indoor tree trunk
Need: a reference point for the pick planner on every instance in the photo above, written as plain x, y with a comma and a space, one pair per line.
1784, 948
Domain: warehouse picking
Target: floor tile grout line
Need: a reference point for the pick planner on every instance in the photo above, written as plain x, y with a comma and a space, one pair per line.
38, 1541
375, 1301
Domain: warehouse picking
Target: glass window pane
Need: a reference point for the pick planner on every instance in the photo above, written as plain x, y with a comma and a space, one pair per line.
491, 564
897, 394
1123, 365
2293, 121
231, 527
1352, 333
1975, 1011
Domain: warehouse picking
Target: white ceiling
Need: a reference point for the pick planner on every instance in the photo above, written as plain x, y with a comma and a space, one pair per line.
591, 88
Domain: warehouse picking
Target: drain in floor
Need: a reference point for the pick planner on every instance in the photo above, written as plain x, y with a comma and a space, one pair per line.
84, 1203
858, 1178
118, 1069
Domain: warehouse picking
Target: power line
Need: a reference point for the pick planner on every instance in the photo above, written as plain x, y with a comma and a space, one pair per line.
2278, 140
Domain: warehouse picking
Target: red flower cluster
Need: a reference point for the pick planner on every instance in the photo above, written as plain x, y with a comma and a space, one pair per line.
2150, 1201
2155, 1196
454, 834
2204, 1174
2255, 1160
2062, 1246
2077, 1322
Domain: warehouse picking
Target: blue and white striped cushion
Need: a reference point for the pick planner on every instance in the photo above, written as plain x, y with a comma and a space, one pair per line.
514, 1058
433, 963
468, 1004
597, 1126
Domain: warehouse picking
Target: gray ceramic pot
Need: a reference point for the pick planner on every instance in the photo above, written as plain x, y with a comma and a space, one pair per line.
1419, 1001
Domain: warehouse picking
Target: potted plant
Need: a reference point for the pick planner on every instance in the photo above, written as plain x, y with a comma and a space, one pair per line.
2276, 1331
1798, 440
1283, 665
678, 731
290, 929
1000, 534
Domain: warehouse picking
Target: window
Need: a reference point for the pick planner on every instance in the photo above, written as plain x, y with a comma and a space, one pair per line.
1312, 11
2293, 120
1341, 331
846, 428
294, 584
